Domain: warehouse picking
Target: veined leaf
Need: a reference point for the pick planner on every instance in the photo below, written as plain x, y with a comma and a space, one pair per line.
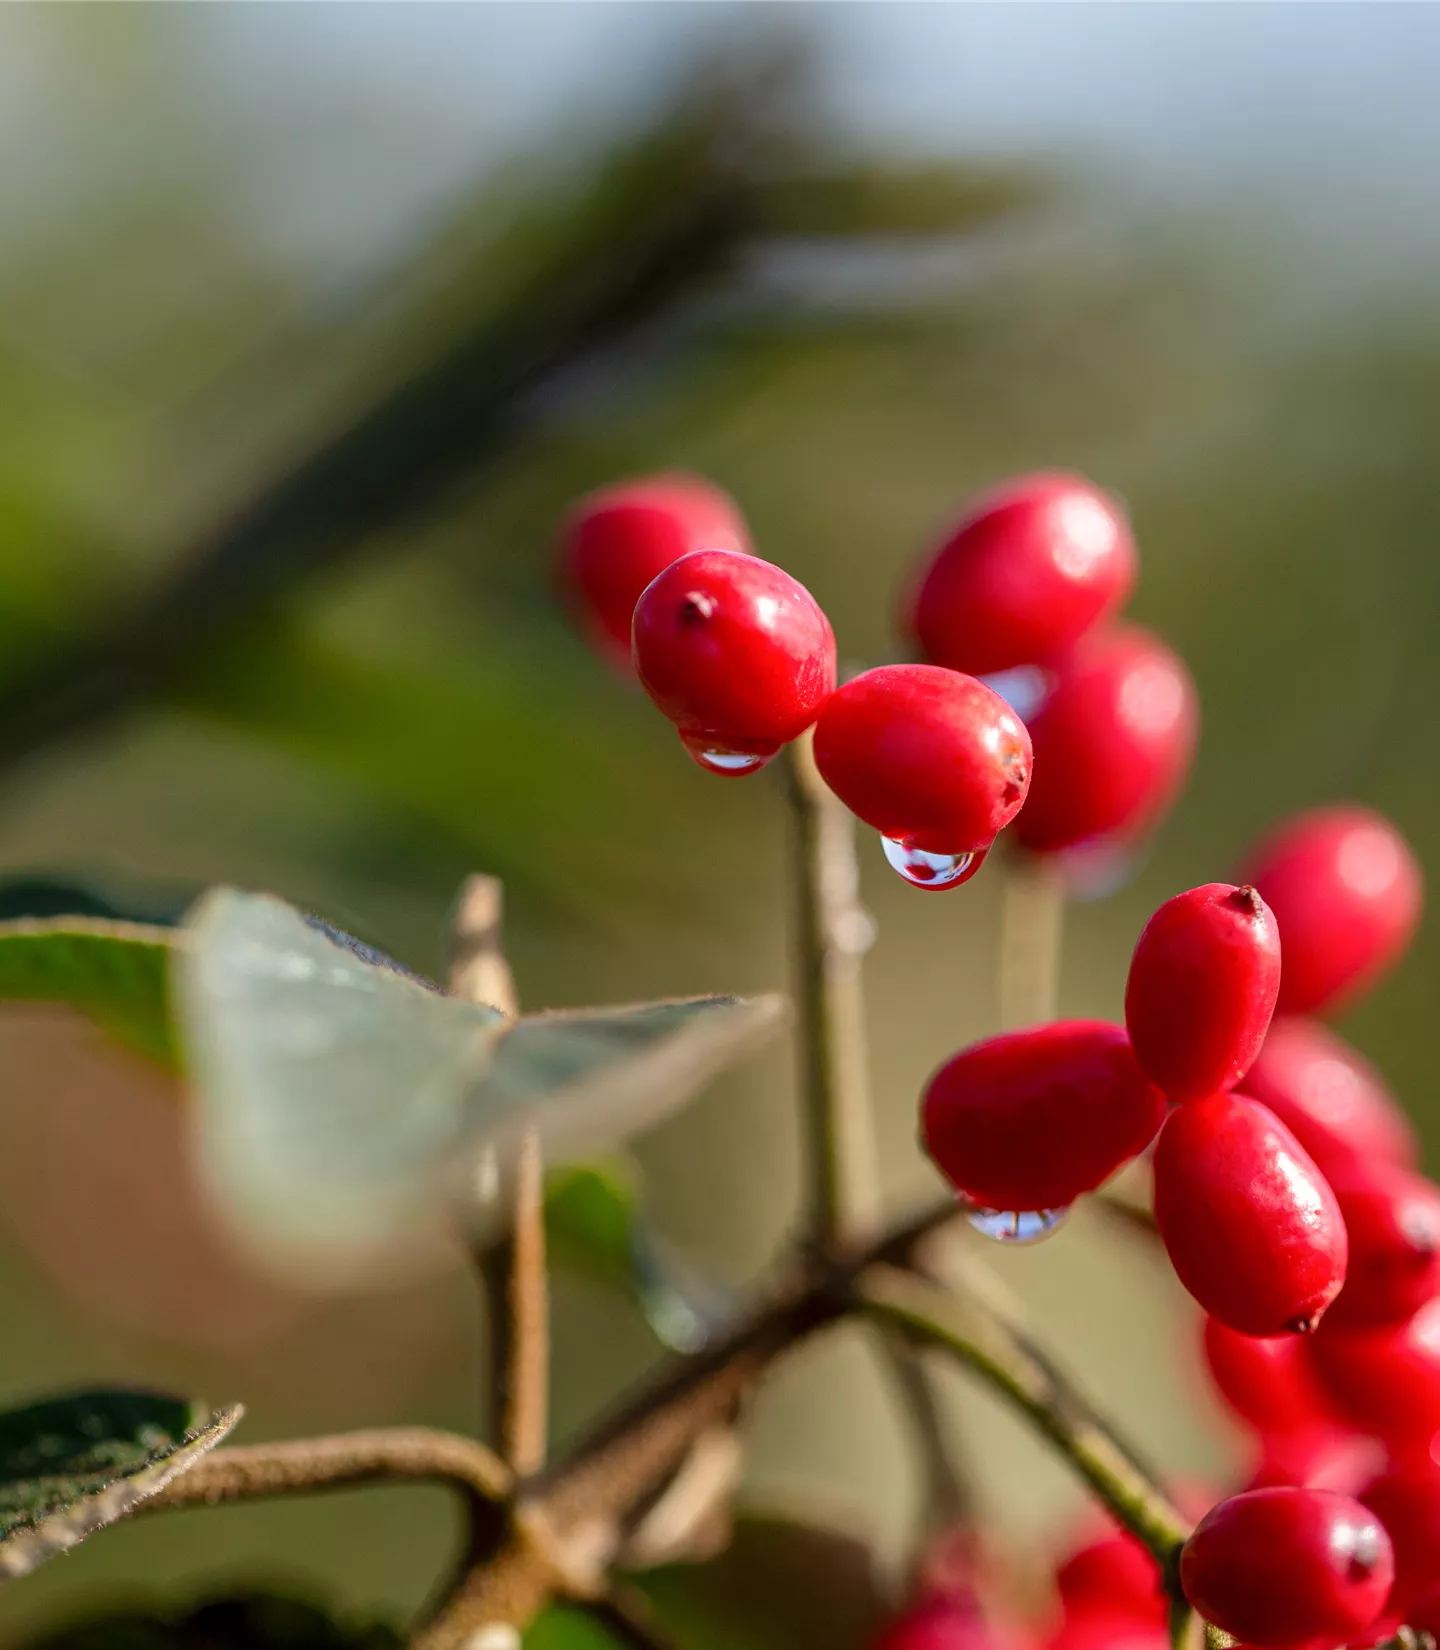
113, 972
328, 1082
344, 1105
70, 1465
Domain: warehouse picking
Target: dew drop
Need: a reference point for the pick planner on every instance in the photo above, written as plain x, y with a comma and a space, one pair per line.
1016, 1225
716, 759
931, 870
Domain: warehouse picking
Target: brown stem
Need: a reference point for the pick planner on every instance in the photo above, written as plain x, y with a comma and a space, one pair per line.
948, 1498
1031, 924
512, 1272
973, 1332
833, 931
631, 1618
388, 1455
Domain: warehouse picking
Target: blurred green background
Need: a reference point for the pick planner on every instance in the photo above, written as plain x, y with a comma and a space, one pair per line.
314, 319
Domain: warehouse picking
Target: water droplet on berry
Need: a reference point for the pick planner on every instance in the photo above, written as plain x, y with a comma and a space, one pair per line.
716, 759
1016, 1226
931, 870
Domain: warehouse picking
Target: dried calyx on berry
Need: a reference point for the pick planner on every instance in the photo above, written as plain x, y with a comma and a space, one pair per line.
736, 653
1202, 988
933, 760
615, 541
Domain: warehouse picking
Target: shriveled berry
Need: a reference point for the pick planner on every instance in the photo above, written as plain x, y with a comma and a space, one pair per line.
1282, 1566
1330, 1098
1250, 1224
1407, 1503
736, 653
1266, 1380
1113, 741
1385, 1381
1202, 989
1346, 891
1031, 1119
616, 540
1393, 1220
932, 759
1034, 564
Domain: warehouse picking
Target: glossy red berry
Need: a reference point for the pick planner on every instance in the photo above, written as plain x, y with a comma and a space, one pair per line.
1319, 1458
1034, 564
1029, 1120
1424, 1614
1393, 1220
1250, 1224
1113, 741
1330, 1098
1112, 1575
1281, 1567
616, 540
1407, 1503
932, 759
736, 653
1346, 891
1266, 1380
1385, 1381
1202, 989
1099, 1630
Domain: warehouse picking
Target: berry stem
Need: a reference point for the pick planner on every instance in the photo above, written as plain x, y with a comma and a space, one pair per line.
1031, 932
512, 1271
1182, 1625
833, 931
973, 1332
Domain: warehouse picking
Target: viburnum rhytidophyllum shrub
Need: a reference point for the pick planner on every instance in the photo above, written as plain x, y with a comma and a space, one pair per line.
348, 1112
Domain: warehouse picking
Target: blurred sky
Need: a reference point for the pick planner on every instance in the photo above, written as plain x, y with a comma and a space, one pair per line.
1322, 113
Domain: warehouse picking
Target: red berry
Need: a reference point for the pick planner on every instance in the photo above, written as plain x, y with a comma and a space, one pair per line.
1113, 740
1393, 1221
1031, 1119
1202, 988
1385, 1381
1346, 892
1424, 1615
1266, 1380
1027, 572
932, 759
1102, 1631
1281, 1566
939, 1623
616, 540
1330, 1098
1112, 1575
1250, 1224
1407, 1503
736, 653
1320, 1458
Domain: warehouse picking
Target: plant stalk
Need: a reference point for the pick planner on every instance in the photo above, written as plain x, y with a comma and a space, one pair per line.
1031, 934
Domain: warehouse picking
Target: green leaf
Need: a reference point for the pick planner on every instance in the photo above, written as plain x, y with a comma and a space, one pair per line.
345, 1106
70, 1465
329, 1083
594, 1227
113, 972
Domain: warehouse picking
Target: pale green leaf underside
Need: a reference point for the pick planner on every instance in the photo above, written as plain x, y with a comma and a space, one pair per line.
70, 1465
113, 972
342, 1106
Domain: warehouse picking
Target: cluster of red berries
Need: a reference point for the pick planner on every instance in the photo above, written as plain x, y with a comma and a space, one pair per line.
1286, 1189
741, 658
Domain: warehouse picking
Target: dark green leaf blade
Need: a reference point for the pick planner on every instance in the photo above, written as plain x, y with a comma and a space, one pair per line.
116, 973
70, 1465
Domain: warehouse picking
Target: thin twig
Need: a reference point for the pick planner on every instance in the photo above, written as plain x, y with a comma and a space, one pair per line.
976, 1335
512, 1271
387, 1455
833, 932
1031, 932
948, 1499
